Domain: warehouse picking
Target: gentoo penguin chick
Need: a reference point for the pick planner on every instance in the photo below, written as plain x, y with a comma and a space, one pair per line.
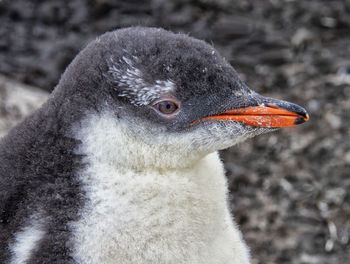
120, 164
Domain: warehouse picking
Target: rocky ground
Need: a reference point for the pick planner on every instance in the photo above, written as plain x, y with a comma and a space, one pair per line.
17, 101
290, 190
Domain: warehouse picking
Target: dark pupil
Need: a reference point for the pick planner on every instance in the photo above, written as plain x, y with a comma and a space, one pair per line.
167, 107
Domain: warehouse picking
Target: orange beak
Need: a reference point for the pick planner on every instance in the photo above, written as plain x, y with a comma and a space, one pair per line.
269, 115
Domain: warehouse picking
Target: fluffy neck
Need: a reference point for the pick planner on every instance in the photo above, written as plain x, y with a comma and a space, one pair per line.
112, 142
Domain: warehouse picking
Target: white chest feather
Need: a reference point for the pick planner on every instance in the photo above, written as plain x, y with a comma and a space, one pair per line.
156, 216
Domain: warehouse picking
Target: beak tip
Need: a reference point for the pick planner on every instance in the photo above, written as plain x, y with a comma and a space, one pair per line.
299, 121
303, 114
307, 117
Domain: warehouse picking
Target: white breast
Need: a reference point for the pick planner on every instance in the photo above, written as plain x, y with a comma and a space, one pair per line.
154, 216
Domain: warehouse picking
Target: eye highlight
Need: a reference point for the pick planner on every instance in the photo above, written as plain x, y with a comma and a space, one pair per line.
166, 107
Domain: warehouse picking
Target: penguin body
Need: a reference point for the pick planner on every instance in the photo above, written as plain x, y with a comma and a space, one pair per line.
120, 164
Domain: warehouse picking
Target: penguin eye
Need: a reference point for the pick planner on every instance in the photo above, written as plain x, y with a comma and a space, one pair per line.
166, 107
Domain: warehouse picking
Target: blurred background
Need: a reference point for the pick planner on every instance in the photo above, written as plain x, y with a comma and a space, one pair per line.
289, 190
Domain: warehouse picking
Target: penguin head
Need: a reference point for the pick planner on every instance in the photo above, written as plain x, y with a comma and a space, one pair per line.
173, 96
